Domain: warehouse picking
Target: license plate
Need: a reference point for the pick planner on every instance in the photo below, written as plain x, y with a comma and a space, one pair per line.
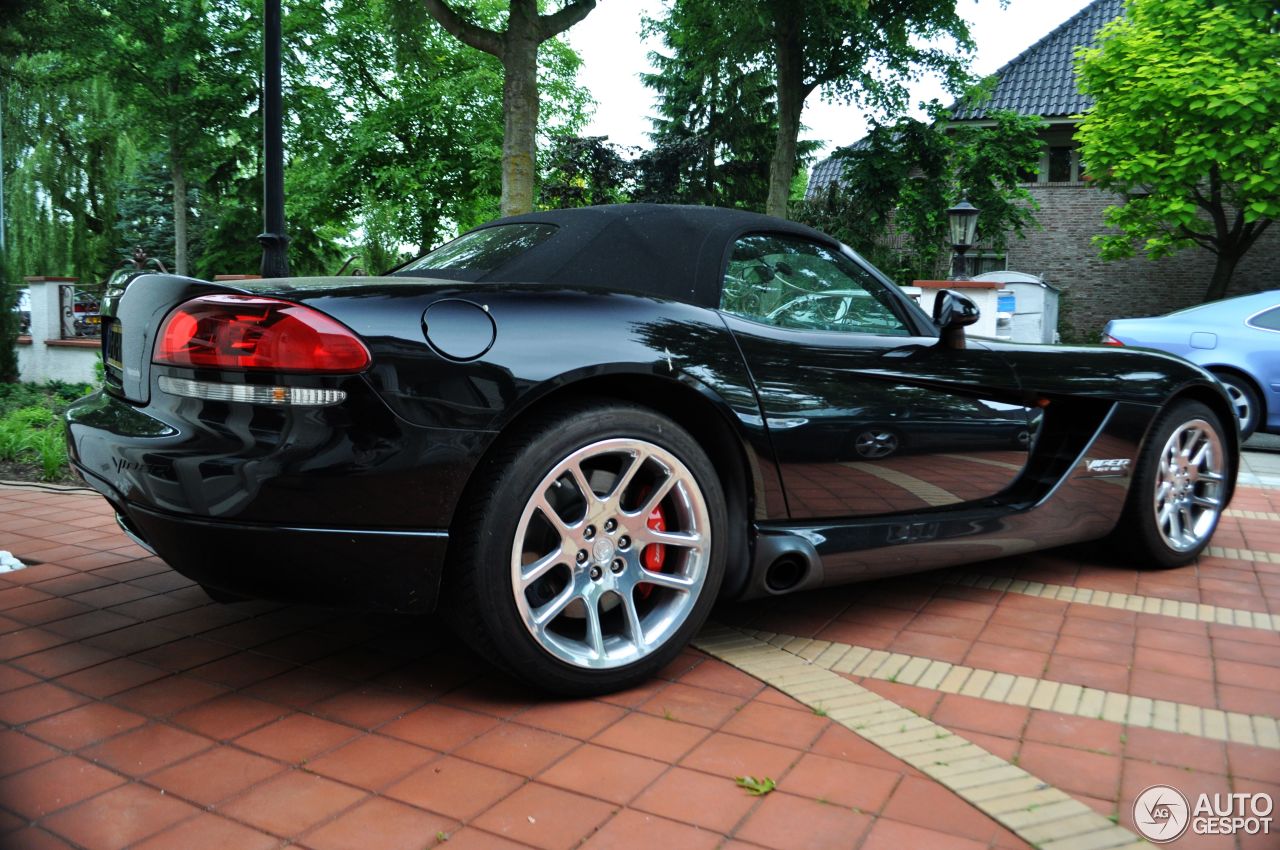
113, 347
94, 320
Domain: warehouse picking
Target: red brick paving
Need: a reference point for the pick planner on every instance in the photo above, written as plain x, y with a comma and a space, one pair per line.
141, 715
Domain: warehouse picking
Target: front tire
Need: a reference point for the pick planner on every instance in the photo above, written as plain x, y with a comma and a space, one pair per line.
588, 554
1244, 401
1180, 486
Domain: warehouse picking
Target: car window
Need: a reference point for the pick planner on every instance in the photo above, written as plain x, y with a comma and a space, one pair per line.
485, 249
793, 283
1268, 320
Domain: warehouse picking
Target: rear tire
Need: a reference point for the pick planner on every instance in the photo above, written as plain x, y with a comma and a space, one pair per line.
1179, 489
580, 592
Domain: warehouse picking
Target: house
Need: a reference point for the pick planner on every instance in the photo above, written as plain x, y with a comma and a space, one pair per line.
1041, 81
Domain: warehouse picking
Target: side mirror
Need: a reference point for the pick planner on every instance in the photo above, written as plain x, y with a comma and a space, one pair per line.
952, 313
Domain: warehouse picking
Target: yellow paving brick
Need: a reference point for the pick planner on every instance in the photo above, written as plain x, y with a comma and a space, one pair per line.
985, 778
955, 679
934, 674
1164, 715
1027, 800
1265, 732
892, 742
1139, 712
1115, 707
851, 659
1215, 724
977, 683
1240, 728
1073, 825
998, 690
1091, 702
1189, 720
860, 714
873, 660
831, 656
1024, 784
1023, 688
813, 650
1044, 815
897, 722
947, 742
891, 667
1044, 695
964, 763
914, 669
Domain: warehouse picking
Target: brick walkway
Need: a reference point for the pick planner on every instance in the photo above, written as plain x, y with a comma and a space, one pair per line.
139, 714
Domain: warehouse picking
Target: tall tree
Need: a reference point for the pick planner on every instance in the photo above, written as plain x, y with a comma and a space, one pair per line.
1186, 94
403, 140
715, 113
192, 80
857, 51
516, 46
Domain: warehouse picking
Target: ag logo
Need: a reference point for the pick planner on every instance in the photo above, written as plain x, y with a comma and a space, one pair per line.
1161, 813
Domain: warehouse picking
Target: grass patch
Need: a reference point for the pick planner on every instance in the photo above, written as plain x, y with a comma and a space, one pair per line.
33, 442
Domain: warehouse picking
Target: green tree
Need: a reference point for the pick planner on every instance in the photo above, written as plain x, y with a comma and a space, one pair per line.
856, 51
1186, 94
188, 70
516, 46
890, 204
585, 171
715, 112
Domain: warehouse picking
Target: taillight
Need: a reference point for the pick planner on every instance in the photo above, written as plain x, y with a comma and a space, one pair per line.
246, 332
1108, 339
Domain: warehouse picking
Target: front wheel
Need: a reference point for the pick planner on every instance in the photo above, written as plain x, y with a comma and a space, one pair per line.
1180, 487
1245, 402
589, 556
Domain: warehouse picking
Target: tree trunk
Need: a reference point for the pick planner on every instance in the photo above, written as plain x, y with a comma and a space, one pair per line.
789, 60
1223, 270
520, 108
179, 211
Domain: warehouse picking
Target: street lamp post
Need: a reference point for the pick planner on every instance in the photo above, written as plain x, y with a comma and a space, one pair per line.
962, 220
274, 239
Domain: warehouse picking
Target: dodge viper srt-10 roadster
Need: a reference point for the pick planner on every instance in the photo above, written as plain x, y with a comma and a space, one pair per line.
571, 432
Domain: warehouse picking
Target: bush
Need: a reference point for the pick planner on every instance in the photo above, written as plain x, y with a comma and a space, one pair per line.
32, 434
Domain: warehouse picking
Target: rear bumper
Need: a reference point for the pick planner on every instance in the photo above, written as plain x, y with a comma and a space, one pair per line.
339, 567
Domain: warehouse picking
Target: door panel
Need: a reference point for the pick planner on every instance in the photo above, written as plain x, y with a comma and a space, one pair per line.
864, 425
866, 414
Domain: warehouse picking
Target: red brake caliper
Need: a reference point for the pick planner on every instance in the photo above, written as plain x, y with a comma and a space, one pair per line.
655, 554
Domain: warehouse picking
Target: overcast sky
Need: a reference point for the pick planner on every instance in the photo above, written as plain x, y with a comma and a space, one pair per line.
614, 56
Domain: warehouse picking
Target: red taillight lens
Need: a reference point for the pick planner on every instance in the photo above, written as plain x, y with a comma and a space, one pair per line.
247, 332
1108, 339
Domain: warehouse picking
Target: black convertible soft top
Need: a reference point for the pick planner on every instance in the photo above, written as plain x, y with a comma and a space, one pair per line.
667, 250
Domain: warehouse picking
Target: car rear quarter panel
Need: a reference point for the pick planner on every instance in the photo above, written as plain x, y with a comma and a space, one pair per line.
549, 341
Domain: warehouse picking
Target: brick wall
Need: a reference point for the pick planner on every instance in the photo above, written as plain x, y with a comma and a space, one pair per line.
1095, 291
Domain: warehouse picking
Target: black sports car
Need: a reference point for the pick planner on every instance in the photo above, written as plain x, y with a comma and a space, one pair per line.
571, 432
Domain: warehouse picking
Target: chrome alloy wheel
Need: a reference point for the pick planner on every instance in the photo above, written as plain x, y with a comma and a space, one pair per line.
1240, 404
1190, 485
586, 544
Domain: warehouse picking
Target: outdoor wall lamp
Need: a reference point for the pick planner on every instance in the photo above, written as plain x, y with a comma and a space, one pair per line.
962, 220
